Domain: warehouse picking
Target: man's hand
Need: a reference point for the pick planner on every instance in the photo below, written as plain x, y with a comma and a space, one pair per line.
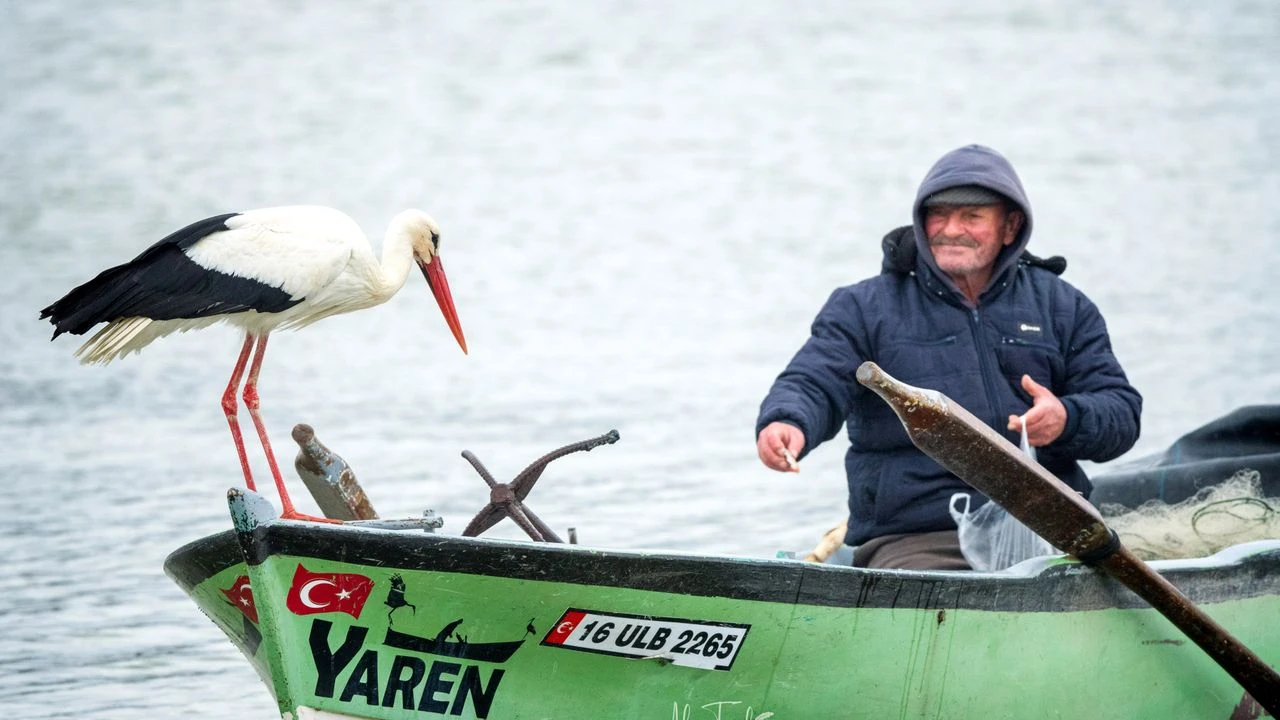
778, 446
1046, 419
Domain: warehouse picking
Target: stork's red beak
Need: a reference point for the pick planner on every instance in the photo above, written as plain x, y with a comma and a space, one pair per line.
439, 284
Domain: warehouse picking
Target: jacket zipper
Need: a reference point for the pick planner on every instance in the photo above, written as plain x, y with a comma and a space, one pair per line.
984, 366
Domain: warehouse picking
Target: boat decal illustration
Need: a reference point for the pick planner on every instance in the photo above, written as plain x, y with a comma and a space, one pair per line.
449, 640
395, 597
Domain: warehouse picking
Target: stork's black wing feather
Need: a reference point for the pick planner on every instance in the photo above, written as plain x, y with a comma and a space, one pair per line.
164, 283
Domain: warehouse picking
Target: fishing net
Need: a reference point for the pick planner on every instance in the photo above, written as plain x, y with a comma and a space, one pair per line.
1216, 517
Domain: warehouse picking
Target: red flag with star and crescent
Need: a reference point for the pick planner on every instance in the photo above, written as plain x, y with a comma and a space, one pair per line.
565, 627
241, 595
327, 592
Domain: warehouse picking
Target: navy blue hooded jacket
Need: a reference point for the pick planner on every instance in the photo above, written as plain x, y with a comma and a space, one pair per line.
915, 323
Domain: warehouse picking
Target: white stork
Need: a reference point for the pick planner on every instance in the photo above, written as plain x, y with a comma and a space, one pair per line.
260, 270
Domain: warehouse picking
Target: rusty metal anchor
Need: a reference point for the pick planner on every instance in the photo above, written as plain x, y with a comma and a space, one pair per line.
507, 499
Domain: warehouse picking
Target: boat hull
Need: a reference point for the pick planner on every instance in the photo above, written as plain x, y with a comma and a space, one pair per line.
464, 627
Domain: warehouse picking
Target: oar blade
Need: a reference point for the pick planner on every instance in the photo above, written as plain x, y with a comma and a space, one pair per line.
980, 456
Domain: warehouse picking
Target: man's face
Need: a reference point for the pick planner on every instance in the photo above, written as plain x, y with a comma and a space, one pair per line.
965, 239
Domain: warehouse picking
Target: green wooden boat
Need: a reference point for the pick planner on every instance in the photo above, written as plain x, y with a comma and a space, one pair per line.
387, 619
352, 621
362, 621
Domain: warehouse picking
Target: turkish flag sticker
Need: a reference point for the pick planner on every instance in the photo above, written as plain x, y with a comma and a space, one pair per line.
241, 595
564, 627
327, 592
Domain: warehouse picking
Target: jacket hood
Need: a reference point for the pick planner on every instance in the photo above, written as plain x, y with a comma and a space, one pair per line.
973, 165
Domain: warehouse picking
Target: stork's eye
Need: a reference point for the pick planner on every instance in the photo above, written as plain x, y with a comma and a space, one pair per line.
435, 240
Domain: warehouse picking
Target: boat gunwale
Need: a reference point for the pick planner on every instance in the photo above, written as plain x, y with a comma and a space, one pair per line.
1045, 585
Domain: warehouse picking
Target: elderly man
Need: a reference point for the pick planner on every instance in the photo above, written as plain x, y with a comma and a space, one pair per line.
960, 306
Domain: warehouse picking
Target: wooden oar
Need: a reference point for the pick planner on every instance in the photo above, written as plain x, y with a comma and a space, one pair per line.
983, 458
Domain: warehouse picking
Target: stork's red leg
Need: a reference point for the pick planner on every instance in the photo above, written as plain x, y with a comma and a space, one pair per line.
251, 402
229, 409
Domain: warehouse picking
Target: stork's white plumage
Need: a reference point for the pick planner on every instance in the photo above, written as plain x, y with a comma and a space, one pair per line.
260, 270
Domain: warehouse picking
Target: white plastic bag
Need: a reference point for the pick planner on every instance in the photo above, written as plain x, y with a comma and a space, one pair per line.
1026, 446
991, 538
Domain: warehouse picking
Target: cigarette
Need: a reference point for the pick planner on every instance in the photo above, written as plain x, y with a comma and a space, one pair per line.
791, 459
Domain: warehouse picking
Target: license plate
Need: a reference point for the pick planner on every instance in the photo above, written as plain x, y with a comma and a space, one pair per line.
693, 643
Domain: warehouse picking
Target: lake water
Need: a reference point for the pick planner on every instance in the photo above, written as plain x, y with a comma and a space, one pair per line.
643, 206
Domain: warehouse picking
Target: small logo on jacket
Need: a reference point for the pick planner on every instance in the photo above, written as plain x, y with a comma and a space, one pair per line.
1029, 328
